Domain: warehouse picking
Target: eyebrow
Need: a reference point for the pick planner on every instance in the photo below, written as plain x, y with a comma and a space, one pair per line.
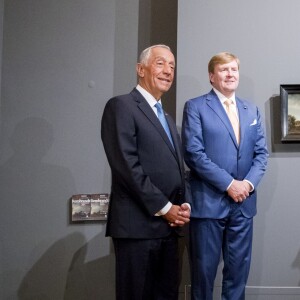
162, 58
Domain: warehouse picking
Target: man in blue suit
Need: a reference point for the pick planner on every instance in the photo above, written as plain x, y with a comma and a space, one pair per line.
226, 164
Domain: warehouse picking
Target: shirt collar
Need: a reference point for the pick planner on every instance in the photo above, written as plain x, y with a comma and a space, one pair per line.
222, 98
149, 98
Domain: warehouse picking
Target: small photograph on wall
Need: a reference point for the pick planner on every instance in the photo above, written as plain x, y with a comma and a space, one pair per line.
290, 112
89, 207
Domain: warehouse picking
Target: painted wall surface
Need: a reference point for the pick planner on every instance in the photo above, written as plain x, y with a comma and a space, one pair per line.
61, 61
59, 69
263, 34
1, 38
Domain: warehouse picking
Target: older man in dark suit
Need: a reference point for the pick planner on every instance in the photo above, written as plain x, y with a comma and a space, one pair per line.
147, 205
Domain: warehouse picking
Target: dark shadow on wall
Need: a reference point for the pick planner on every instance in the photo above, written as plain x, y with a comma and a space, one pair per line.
36, 263
35, 188
60, 269
33, 206
91, 280
46, 278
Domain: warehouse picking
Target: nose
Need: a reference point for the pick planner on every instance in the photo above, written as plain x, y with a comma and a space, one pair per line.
167, 69
230, 72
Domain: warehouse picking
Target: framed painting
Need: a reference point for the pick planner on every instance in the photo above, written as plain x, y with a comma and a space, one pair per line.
290, 112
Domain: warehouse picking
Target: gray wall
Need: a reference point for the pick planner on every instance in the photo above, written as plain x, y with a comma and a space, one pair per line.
62, 60
264, 34
1, 37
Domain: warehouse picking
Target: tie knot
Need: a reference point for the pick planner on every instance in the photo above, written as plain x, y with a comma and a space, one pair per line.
228, 102
158, 106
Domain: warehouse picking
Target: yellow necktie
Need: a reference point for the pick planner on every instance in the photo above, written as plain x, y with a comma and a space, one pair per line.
233, 118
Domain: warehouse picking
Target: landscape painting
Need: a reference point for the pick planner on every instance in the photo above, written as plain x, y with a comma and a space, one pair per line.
290, 112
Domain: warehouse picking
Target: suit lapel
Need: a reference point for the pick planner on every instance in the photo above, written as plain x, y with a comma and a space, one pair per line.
214, 103
243, 112
174, 134
177, 144
149, 113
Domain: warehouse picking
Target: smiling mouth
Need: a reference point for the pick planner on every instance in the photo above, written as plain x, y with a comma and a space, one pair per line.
165, 80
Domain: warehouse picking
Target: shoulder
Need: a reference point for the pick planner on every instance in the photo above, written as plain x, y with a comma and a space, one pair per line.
200, 100
124, 101
246, 104
119, 99
244, 101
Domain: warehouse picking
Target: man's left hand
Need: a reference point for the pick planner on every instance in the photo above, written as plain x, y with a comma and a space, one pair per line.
184, 212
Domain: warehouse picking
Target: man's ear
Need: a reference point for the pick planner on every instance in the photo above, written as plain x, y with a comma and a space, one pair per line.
140, 70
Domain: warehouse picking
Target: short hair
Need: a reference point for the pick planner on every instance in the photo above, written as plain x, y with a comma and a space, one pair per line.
221, 58
144, 56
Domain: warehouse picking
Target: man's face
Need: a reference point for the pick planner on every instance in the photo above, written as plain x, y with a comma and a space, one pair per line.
157, 75
225, 78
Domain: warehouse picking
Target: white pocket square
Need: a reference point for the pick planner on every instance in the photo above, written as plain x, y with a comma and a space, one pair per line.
254, 122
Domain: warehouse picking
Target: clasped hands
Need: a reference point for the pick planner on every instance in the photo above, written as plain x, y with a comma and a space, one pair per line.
239, 190
178, 215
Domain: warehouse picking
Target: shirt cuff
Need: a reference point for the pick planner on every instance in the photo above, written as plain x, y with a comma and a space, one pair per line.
252, 186
164, 210
230, 185
189, 205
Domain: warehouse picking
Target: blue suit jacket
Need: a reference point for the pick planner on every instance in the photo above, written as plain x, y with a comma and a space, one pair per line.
215, 158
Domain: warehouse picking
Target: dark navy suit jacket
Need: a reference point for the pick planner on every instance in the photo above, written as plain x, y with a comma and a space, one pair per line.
147, 171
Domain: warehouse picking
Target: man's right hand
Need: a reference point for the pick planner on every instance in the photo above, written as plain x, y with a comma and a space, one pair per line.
239, 190
178, 215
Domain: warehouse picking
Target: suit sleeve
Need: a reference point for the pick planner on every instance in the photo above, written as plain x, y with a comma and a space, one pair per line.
260, 155
119, 136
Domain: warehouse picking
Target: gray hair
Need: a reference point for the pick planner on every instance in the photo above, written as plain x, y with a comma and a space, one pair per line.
147, 52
